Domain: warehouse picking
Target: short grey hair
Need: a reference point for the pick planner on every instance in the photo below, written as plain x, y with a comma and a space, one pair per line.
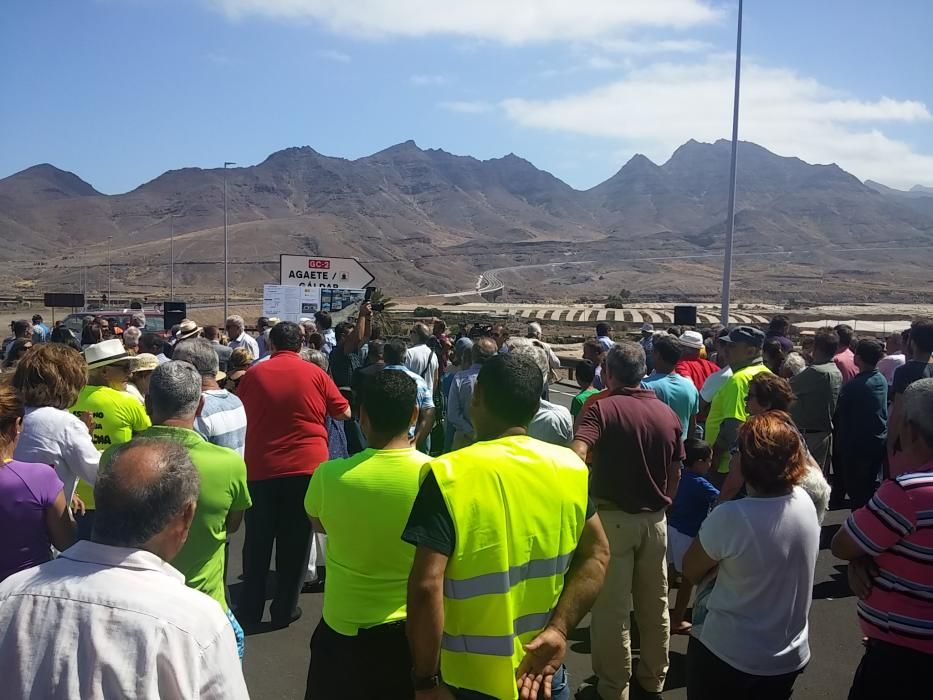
315, 357
200, 353
237, 321
131, 511
534, 329
918, 407
626, 363
794, 364
522, 347
421, 332
138, 320
131, 337
174, 390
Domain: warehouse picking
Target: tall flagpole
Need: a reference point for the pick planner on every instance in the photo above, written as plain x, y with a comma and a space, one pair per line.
730, 230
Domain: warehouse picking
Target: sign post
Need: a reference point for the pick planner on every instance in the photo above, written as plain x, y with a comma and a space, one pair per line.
312, 271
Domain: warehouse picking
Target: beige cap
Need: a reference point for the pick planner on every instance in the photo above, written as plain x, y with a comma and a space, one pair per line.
145, 362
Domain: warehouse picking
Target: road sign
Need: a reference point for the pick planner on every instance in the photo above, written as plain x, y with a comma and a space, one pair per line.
337, 273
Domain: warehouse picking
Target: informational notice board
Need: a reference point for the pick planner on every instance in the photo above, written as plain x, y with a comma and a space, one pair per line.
289, 303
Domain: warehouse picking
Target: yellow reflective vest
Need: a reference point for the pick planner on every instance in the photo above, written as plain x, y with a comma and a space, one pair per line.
518, 506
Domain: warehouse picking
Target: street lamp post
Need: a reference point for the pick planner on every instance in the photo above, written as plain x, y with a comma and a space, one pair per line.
730, 223
226, 249
109, 256
171, 266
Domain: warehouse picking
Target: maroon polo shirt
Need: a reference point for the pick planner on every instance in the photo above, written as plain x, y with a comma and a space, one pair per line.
633, 438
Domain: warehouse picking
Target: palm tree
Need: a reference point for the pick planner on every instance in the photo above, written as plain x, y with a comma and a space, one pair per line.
381, 318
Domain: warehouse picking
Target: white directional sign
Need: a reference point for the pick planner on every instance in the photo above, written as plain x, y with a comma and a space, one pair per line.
338, 273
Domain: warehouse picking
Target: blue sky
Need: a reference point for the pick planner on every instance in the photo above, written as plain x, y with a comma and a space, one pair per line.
119, 91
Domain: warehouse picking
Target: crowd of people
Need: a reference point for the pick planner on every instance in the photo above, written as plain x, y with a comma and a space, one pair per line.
460, 523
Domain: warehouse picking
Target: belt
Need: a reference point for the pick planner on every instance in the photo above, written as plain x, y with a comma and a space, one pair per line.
604, 504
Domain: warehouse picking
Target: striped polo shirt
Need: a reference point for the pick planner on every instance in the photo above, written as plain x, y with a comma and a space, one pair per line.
222, 420
896, 528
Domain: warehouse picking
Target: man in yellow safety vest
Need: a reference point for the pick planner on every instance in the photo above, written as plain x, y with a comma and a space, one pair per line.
510, 553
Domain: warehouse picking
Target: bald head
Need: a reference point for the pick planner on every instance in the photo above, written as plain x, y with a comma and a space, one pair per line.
484, 349
144, 493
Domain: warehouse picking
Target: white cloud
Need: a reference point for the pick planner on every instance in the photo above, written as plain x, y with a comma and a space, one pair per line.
218, 59
332, 55
467, 106
656, 108
639, 47
508, 21
428, 80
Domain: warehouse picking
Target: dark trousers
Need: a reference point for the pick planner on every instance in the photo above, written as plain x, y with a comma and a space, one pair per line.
891, 671
857, 474
85, 525
356, 441
711, 678
374, 664
277, 517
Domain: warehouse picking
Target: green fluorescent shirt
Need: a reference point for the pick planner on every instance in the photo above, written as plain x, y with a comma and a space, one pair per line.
729, 403
223, 489
116, 417
576, 405
363, 502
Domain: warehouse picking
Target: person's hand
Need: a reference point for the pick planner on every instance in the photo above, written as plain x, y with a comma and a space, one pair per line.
861, 573
543, 657
77, 505
88, 420
441, 692
366, 309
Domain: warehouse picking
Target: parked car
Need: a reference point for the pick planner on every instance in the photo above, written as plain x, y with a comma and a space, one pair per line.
155, 320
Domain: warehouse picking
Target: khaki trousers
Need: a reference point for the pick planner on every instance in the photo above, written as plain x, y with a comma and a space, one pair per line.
636, 579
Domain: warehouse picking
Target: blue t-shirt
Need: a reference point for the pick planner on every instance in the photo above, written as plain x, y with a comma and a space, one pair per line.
695, 496
677, 392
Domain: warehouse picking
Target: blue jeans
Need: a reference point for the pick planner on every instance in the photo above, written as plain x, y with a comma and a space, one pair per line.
560, 688
238, 633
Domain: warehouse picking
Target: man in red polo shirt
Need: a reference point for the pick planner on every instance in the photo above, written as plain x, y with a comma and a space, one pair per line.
286, 401
691, 365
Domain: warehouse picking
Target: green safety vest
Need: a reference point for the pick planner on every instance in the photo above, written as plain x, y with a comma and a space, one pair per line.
518, 507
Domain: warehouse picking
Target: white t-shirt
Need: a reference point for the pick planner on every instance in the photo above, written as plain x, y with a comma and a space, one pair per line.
888, 364
714, 382
53, 436
422, 360
766, 549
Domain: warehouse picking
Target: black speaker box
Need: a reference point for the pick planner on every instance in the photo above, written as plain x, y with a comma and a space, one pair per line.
175, 312
685, 315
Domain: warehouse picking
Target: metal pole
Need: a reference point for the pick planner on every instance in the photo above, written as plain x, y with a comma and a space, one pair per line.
171, 266
226, 259
109, 257
730, 230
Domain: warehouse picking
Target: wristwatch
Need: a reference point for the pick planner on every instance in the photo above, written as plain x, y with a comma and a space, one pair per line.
425, 682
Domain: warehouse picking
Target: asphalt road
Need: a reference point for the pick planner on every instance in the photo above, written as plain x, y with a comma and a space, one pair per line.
276, 663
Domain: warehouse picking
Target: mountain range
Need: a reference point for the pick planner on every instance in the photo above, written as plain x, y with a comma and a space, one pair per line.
429, 221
